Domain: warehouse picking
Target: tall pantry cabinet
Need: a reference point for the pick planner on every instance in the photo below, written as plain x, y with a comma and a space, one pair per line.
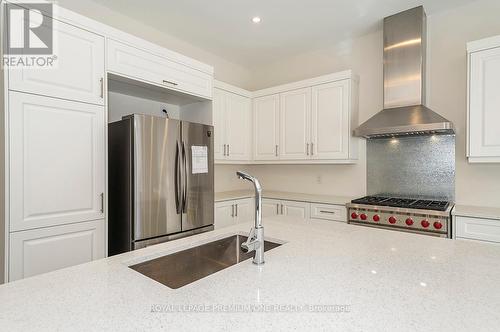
55, 157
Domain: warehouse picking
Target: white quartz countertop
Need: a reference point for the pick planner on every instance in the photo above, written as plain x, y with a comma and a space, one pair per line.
388, 281
476, 211
289, 196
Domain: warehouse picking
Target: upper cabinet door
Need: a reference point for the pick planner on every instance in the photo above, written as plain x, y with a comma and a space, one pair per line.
139, 64
77, 72
266, 127
295, 117
484, 105
56, 161
238, 127
330, 121
219, 122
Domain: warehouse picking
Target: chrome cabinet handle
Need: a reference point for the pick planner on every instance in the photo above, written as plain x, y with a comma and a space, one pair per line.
101, 81
312, 149
307, 148
277, 209
102, 202
330, 212
281, 208
224, 153
170, 82
232, 211
236, 210
276, 150
228, 153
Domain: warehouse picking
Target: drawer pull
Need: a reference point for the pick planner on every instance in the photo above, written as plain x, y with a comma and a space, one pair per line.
330, 212
170, 82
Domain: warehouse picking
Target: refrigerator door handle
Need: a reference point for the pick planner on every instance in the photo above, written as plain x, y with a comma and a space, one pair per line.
184, 195
177, 179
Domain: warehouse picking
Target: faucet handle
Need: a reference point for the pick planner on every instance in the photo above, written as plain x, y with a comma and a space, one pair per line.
251, 235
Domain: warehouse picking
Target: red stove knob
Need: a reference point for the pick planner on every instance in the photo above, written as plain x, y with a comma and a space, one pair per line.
354, 215
363, 216
424, 223
376, 217
438, 225
409, 221
392, 220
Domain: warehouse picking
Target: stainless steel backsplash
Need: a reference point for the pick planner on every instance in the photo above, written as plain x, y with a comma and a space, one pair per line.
420, 166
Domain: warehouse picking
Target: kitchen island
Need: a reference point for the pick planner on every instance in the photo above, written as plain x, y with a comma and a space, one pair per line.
326, 276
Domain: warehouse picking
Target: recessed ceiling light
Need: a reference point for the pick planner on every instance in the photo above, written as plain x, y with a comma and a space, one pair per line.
256, 19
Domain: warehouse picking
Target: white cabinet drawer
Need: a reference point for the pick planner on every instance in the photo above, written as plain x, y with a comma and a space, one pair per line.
78, 71
328, 212
477, 229
47, 249
139, 64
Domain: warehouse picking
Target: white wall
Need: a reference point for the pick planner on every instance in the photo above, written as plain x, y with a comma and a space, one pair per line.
448, 33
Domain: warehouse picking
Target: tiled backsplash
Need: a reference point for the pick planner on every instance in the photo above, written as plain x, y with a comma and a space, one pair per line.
420, 166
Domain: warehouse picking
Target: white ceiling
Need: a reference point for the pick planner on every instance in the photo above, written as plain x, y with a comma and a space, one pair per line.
288, 27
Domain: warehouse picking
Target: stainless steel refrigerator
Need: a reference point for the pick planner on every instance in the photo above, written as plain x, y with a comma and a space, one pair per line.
161, 181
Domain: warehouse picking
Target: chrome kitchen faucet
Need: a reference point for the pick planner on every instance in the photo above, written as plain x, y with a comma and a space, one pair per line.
255, 241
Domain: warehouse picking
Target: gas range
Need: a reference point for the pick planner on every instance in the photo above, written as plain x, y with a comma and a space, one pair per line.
431, 217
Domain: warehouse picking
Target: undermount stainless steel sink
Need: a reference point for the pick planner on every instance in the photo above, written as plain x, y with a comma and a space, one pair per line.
184, 267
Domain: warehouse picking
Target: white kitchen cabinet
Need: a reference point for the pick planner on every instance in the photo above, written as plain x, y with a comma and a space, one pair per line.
330, 121
483, 114
314, 124
477, 229
295, 124
272, 207
77, 72
232, 116
43, 250
224, 214
266, 122
245, 210
56, 161
219, 123
229, 213
136, 63
296, 209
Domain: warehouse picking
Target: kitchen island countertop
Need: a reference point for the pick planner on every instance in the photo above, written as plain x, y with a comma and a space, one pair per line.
326, 276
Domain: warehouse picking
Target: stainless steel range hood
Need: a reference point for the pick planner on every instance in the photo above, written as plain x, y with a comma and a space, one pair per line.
404, 112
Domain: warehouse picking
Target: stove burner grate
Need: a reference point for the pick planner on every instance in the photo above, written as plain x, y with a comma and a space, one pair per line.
403, 202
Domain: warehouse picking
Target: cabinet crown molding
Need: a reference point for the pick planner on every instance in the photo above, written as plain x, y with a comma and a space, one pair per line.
338, 76
482, 44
